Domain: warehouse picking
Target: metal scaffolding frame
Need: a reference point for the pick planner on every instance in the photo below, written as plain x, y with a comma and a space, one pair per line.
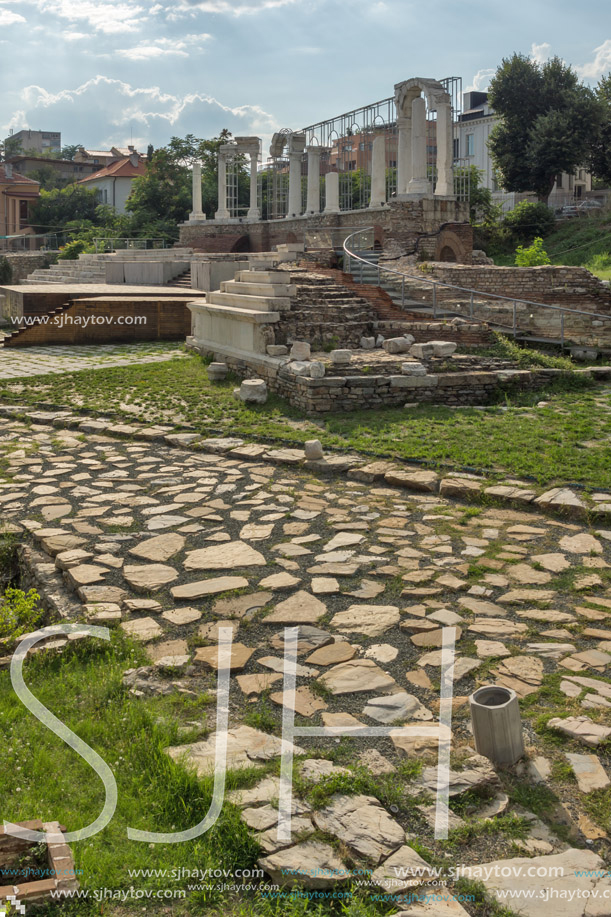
347, 140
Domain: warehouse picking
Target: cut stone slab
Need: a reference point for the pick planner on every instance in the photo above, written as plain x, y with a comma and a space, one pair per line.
526, 574
578, 883
206, 587
309, 638
245, 745
432, 907
376, 763
356, 676
589, 772
333, 654
149, 577
581, 728
581, 544
487, 648
208, 657
310, 864
317, 769
241, 606
143, 629
396, 707
555, 563
478, 772
496, 627
211, 630
403, 870
279, 581
160, 548
266, 790
258, 683
182, 616
300, 608
423, 481
303, 701
371, 620
381, 652
230, 555
85, 574
362, 824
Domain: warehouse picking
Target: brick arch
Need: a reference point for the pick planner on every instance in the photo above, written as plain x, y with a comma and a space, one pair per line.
241, 245
454, 246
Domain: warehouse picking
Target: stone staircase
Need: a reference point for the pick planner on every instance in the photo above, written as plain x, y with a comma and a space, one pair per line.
182, 281
87, 269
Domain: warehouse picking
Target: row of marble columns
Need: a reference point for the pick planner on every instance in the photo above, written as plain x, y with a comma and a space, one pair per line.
412, 178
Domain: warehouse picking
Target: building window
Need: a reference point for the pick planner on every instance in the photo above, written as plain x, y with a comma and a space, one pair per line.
362, 145
23, 214
571, 182
470, 144
559, 181
455, 148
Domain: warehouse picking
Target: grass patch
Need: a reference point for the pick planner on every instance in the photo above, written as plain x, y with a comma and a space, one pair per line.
499, 441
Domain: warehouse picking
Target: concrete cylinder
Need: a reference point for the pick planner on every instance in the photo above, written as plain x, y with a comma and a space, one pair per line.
497, 727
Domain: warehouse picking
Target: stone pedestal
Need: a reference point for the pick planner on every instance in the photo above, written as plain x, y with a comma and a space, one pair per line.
332, 192
445, 176
296, 146
253, 211
378, 172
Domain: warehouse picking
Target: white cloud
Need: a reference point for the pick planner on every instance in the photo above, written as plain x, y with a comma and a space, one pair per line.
106, 110
540, 53
109, 17
7, 17
74, 36
481, 80
225, 7
600, 65
163, 47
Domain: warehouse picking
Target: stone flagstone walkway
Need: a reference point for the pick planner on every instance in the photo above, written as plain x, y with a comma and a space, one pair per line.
171, 545
38, 361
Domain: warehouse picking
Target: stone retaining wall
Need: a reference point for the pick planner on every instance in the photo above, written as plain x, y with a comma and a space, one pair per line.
23, 263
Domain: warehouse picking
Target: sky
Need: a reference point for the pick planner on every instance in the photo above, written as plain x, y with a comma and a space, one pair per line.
114, 72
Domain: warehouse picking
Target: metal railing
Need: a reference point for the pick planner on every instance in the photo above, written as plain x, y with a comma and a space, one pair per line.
561, 310
105, 246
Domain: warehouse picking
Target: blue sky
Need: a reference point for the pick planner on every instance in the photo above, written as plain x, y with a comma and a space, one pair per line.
105, 71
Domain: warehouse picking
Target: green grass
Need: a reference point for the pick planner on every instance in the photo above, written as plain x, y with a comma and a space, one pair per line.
541, 443
575, 242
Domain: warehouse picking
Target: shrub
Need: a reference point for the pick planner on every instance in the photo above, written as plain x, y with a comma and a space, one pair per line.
533, 255
529, 220
6, 270
72, 250
20, 612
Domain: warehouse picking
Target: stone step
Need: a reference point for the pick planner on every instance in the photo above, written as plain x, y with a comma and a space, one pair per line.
262, 276
254, 303
258, 289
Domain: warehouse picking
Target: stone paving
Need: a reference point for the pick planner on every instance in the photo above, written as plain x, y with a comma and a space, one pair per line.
39, 361
171, 545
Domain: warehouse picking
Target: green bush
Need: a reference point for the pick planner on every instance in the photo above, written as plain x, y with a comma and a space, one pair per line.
20, 613
72, 250
532, 256
528, 220
6, 270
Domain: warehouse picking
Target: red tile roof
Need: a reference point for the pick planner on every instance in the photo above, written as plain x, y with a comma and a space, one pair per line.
17, 178
122, 168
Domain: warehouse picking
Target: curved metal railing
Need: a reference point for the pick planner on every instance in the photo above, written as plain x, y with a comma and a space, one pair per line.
562, 310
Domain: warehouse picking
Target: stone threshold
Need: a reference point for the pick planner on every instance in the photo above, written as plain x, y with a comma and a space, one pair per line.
560, 501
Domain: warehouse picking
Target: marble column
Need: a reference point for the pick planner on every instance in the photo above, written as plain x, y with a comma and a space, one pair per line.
418, 183
404, 153
313, 199
332, 192
445, 175
222, 213
378, 172
197, 214
253, 211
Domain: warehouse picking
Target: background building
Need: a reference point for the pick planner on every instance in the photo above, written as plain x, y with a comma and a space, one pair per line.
474, 128
35, 141
114, 182
17, 193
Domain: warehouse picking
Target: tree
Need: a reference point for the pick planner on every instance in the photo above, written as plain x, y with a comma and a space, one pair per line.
162, 197
11, 147
548, 122
600, 156
70, 151
54, 209
528, 220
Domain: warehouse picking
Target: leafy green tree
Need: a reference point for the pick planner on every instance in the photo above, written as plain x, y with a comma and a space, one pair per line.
11, 147
70, 150
55, 208
600, 157
528, 220
532, 256
548, 122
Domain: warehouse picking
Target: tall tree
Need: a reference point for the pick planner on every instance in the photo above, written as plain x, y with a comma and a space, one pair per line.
600, 159
548, 122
